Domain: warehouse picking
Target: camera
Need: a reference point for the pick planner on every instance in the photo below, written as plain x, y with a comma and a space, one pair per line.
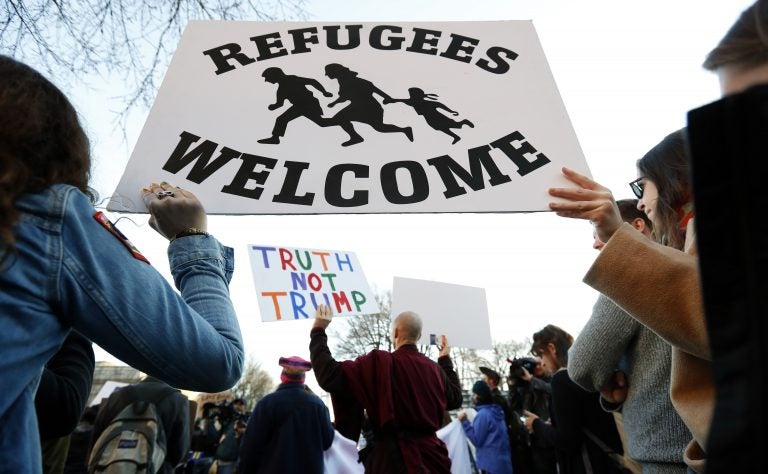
517, 365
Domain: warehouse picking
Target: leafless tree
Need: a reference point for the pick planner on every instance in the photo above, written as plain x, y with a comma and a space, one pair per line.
131, 39
365, 333
496, 359
254, 384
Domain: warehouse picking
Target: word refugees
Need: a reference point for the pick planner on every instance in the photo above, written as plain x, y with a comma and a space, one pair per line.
495, 59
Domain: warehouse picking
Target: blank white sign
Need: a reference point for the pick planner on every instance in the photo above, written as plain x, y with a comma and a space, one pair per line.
460, 312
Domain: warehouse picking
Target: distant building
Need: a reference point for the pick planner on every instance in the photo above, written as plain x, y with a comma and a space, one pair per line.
109, 372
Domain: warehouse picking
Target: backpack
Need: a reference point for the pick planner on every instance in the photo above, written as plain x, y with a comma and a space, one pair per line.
133, 442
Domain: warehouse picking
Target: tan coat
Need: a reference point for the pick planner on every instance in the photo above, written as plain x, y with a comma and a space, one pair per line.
659, 286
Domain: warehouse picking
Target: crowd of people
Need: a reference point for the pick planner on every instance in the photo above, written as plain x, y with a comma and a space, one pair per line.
669, 351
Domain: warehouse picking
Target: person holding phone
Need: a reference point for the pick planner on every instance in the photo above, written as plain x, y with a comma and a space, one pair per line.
404, 394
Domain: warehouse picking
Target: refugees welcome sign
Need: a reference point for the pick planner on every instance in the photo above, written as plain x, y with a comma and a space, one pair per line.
303, 118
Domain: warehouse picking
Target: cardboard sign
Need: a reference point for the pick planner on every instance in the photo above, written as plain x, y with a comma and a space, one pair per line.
106, 390
459, 312
307, 118
291, 283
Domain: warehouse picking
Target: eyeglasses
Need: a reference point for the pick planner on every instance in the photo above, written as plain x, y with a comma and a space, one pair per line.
638, 186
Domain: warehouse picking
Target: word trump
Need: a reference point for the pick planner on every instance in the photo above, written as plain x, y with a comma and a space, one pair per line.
291, 283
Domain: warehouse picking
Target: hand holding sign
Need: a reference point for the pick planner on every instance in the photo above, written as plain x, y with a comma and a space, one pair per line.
323, 316
173, 210
443, 347
589, 201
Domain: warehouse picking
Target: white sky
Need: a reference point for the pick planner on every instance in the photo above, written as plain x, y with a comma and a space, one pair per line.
627, 72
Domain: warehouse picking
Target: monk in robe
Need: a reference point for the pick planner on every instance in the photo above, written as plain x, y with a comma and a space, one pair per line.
403, 393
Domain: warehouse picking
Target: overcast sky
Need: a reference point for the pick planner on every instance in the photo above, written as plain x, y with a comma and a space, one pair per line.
627, 73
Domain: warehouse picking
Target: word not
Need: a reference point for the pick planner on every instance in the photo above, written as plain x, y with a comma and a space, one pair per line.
257, 170
382, 37
298, 301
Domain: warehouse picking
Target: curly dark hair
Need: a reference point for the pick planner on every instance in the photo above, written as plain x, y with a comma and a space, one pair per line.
41, 142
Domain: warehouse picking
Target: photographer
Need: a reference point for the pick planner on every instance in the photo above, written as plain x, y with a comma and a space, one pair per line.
529, 389
228, 443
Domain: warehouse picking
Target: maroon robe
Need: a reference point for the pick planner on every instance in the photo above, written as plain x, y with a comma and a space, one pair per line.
405, 395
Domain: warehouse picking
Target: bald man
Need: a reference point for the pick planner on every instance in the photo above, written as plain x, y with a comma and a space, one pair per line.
404, 394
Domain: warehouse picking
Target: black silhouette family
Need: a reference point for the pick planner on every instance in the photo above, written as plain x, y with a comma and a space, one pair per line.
363, 106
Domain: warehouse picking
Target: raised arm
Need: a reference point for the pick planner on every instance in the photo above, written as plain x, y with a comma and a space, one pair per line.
657, 285
451, 381
328, 370
114, 297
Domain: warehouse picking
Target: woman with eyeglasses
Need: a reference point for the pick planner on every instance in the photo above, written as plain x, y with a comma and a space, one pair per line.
657, 283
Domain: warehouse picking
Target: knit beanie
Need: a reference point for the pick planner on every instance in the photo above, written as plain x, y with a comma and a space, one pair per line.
483, 392
294, 369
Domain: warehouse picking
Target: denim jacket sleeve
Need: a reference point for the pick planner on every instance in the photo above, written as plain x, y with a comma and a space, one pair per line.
190, 340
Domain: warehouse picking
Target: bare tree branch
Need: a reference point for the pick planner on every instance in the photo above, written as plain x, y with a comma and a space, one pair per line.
135, 40
254, 384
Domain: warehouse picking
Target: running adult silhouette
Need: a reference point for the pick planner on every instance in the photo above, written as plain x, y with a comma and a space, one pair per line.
363, 106
303, 103
428, 107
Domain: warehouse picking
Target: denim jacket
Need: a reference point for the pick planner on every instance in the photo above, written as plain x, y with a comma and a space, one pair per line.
69, 271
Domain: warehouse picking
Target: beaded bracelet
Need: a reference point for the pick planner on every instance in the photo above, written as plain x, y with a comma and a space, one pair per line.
190, 231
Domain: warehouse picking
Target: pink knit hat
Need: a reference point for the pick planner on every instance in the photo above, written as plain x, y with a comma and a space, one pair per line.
294, 369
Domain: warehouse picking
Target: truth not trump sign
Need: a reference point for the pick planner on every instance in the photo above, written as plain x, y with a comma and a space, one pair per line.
292, 282
305, 118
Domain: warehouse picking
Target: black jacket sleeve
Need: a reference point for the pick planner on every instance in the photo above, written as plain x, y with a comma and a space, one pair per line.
64, 387
327, 369
451, 381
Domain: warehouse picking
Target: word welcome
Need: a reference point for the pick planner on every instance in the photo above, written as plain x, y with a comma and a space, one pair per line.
255, 170
496, 59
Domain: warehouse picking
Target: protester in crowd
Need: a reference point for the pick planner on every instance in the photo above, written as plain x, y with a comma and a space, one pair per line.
228, 443
656, 283
488, 432
205, 437
529, 389
728, 143
288, 418
492, 379
64, 266
239, 406
403, 392
80, 442
61, 398
582, 433
514, 426
630, 365
172, 409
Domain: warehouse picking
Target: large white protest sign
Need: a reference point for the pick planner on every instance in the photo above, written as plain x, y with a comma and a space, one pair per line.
460, 312
291, 282
283, 118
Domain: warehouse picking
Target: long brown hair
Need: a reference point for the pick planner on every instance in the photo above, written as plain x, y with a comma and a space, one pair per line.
558, 337
666, 165
745, 45
41, 142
